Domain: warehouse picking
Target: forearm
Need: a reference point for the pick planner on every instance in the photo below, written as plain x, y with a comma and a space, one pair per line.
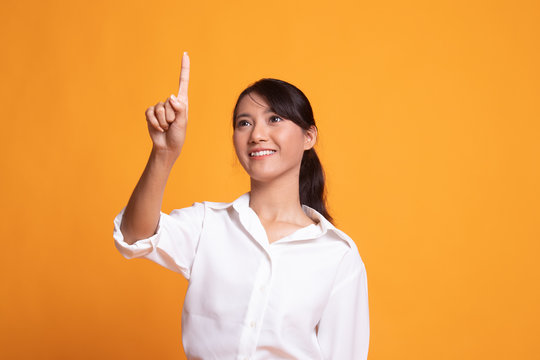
142, 212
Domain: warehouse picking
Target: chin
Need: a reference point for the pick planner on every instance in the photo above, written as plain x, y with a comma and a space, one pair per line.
269, 176
270, 172
263, 178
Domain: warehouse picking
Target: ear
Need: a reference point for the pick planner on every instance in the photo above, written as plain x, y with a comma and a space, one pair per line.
310, 137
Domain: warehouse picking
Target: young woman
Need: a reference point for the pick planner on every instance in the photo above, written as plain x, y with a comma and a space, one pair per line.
270, 277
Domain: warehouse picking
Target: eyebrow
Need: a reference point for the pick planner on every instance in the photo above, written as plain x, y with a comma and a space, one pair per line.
248, 115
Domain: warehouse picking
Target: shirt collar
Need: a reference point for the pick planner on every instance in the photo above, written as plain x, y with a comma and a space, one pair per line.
241, 203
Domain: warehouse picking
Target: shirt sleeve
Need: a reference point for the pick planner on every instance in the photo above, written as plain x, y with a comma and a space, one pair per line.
343, 330
174, 244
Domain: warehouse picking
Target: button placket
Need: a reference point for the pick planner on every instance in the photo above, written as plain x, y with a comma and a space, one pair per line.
256, 308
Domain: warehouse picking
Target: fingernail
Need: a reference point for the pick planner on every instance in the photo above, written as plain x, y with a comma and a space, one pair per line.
185, 52
173, 98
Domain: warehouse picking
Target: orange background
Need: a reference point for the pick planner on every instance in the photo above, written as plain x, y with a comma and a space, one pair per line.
428, 116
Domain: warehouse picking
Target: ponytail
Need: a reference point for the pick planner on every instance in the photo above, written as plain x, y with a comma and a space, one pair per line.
312, 179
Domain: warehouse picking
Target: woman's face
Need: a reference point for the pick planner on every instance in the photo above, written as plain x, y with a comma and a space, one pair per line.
267, 145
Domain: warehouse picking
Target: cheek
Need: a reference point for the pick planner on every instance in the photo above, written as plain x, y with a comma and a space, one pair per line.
236, 141
239, 146
294, 141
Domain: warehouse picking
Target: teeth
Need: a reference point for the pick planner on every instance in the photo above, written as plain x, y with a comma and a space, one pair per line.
260, 153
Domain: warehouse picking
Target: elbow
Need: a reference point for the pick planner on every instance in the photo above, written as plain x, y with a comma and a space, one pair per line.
131, 235
127, 237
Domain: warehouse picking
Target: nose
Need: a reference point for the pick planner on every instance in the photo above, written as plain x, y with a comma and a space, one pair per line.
259, 133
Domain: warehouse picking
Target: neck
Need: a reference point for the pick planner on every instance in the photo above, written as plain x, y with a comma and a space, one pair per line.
278, 200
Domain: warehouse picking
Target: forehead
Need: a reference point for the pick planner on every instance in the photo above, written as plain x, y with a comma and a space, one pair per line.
253, 101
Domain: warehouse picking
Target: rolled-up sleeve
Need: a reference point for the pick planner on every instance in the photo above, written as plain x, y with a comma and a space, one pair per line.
343, 330
174, 244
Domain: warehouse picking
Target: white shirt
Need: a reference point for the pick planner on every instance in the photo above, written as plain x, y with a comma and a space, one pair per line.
303, 296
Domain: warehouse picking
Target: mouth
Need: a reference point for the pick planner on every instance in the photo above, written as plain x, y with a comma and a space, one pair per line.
260, 154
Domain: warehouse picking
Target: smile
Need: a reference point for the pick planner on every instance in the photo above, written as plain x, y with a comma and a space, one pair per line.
262, 153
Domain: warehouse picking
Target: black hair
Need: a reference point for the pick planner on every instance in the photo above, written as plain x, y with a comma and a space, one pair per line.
290, 102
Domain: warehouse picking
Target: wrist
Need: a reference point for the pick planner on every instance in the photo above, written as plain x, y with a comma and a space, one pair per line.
164, 157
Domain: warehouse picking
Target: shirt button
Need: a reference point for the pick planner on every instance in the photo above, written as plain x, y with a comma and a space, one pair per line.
252, 324
262, 288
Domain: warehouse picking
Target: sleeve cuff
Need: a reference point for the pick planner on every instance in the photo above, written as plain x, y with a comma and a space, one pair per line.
140, 247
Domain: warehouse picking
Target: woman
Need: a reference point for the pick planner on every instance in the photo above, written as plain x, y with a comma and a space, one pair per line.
270, 277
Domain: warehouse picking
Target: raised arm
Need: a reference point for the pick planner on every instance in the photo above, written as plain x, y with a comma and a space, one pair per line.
167, 127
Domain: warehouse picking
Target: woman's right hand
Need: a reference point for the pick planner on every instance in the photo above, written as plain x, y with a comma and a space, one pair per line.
167, 121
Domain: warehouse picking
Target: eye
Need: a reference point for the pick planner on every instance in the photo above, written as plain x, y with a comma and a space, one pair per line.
273, 117
242, 123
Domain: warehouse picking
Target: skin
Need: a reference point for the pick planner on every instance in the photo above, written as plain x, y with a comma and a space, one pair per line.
167, 122
275, 178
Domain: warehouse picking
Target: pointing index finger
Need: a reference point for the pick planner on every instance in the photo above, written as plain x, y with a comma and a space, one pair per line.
184, 78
